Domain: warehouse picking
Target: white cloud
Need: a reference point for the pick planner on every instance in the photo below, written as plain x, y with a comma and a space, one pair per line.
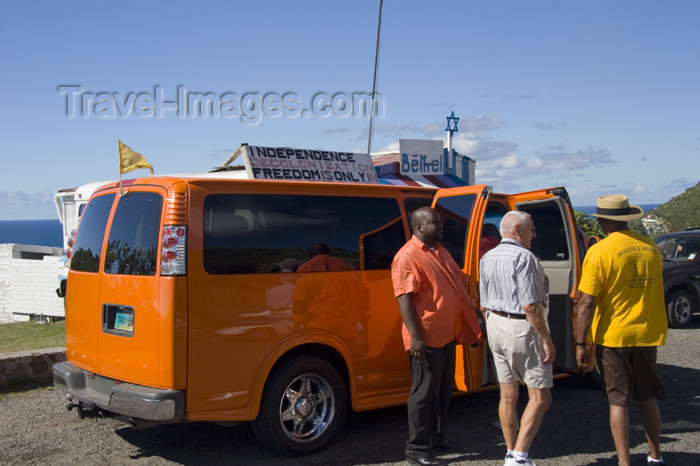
434, 131
534, 163
340, 130
498, 169
558, 160
18, 205
480, 125
394, 146
501, 164
680, 183
548, 126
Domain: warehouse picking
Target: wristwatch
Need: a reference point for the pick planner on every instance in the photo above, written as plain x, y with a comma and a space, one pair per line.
580, 343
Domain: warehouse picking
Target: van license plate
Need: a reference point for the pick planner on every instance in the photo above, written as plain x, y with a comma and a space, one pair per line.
124, 322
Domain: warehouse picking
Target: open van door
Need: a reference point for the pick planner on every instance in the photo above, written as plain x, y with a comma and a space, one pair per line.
471, 218
462, 213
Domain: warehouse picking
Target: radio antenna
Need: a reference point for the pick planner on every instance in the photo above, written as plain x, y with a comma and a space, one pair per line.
374, 81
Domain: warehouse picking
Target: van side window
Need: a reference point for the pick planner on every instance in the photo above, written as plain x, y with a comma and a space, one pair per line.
88, 242
252, 233
455, 213
132, 246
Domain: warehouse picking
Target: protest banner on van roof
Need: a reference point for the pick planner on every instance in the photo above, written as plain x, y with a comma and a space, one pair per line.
286, 163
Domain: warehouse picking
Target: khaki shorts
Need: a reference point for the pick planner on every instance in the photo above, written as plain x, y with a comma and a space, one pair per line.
517, 352
630, 373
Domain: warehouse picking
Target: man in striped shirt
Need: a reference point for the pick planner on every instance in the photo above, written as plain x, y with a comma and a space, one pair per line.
513, 295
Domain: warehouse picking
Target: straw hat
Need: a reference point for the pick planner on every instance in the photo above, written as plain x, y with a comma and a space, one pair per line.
617, 207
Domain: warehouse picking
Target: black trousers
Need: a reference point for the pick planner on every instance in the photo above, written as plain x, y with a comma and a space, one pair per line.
431, 393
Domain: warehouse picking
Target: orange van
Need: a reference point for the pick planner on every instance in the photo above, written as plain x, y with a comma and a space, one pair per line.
188, 299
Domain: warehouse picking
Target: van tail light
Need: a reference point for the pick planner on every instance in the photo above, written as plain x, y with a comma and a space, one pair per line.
71, 243
173, 249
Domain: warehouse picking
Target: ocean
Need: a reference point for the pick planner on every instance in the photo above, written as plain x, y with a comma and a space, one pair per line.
33, 232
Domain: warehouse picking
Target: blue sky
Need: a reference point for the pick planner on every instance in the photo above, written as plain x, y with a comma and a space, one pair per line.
598, 96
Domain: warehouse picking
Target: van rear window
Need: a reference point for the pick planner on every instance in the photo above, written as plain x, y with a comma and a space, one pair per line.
254, 233
132, 246
91, 232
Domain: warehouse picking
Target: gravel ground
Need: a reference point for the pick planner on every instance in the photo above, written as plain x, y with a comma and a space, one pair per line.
36, 429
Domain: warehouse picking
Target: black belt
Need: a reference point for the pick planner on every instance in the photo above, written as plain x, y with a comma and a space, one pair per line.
508, 315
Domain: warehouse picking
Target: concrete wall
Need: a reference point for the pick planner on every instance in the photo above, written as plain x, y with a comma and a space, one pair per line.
28, 286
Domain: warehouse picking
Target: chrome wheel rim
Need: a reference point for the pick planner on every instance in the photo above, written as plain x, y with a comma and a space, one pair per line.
307, 408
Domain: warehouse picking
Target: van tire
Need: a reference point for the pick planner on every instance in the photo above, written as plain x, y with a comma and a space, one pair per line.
679, 307
303, 406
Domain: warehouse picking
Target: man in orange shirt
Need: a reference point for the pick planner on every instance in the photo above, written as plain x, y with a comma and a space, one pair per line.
322, 261
435, 307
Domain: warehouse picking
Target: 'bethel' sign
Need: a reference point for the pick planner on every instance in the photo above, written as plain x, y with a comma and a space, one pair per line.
421, 157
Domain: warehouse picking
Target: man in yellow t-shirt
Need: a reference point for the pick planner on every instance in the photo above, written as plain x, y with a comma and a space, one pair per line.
622, 309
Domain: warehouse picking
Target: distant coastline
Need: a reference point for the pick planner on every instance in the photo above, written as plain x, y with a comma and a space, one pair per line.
590, 209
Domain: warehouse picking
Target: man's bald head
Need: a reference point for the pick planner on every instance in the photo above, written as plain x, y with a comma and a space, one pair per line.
420, 216
518, 225
426, 225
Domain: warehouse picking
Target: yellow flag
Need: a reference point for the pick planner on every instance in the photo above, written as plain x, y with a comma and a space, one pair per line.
130, 160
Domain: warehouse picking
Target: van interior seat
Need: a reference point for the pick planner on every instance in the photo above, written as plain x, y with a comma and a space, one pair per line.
490, 237
489, 229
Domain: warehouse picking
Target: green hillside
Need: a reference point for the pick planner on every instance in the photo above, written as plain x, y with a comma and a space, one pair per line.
683, 211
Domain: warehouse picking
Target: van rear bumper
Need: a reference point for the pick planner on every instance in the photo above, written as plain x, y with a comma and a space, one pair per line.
137, 401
